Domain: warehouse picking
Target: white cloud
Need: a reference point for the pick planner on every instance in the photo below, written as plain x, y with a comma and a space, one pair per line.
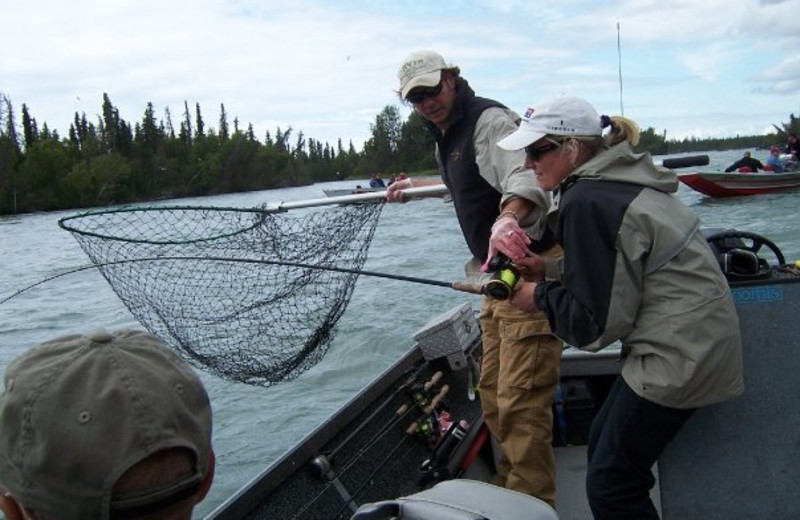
328, 68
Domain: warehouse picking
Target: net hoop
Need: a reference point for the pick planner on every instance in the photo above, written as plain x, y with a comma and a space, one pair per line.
234, 291
75, 223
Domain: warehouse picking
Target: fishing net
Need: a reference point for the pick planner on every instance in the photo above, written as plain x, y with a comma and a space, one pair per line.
237, 292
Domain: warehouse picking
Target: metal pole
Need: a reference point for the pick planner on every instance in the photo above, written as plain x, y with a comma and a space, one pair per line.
619, 61
424, 191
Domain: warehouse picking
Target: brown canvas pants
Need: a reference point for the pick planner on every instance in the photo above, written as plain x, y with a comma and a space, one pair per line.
519, 376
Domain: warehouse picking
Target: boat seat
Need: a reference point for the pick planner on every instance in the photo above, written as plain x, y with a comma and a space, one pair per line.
459, 499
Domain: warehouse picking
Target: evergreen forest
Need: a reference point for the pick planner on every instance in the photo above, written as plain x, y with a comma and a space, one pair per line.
111, 161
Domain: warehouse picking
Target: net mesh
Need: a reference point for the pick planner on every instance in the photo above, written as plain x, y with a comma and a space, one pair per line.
215, 285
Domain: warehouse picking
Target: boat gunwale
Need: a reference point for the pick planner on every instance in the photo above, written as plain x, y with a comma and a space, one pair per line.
731, 184
575, 363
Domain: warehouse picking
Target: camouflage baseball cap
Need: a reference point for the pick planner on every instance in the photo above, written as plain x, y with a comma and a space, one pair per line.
79, 411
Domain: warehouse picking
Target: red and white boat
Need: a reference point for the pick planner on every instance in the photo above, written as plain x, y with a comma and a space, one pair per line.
716, 184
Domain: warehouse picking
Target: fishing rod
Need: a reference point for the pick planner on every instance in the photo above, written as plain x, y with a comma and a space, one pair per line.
467, 287
461, 286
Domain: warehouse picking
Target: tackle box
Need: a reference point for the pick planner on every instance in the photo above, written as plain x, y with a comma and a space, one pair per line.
449, 335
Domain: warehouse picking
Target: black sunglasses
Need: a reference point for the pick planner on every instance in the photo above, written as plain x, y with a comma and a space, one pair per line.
418, 95
535, 153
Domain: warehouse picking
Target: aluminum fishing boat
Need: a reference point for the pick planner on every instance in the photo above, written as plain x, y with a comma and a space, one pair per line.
735, 184
339, 192
419, 422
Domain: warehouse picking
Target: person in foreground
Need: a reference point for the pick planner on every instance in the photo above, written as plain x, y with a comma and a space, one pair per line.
745, 164
103, 425
499, 209
636, 268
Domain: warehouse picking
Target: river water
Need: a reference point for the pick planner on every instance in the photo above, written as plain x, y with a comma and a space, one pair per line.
253, 426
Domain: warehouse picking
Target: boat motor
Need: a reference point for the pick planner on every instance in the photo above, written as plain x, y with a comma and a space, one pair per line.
738, 253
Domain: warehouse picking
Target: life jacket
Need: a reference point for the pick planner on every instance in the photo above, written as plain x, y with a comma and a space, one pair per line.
475, 200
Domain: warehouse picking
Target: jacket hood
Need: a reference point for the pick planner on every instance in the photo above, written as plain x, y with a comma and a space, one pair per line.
620, 163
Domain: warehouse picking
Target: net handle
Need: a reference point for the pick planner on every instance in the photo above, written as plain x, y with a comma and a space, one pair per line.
424, 191
441, 189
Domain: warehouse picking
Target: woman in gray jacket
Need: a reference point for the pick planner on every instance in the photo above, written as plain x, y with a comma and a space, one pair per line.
636, 269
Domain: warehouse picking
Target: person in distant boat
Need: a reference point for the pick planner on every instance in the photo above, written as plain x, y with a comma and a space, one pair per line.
399, 177
793, 151
774, 163
395, 178
793, 146
501, 211
745, 164
376, 181
636, 269
103, 425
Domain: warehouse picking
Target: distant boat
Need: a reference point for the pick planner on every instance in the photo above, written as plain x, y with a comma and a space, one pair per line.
715, 184
350, 191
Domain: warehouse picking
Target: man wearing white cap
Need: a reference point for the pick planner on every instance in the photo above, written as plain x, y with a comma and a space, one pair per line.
638, 270
103, 426
500, 210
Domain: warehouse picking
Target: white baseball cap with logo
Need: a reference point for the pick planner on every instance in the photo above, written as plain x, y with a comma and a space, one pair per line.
563, 115
420, 69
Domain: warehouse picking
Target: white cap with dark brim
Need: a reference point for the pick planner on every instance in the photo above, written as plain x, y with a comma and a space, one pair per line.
420, 69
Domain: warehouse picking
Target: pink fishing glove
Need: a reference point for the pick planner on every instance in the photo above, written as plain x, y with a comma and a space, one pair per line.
394, 193
507, 238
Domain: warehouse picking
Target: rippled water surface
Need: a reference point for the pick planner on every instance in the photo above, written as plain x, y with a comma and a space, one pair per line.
254, 426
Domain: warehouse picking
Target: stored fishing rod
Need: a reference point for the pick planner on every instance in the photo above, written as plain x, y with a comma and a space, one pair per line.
322, 465
388, 401
428, 405
457, 286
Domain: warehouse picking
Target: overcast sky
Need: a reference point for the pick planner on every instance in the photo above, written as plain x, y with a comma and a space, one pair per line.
690, 67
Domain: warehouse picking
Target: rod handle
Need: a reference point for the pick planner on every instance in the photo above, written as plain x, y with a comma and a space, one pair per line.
467, 287
434, 379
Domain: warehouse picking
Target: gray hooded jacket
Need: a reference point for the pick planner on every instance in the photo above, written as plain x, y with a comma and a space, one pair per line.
637, 269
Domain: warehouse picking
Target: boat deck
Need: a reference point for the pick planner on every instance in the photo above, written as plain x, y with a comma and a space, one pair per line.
571, 478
